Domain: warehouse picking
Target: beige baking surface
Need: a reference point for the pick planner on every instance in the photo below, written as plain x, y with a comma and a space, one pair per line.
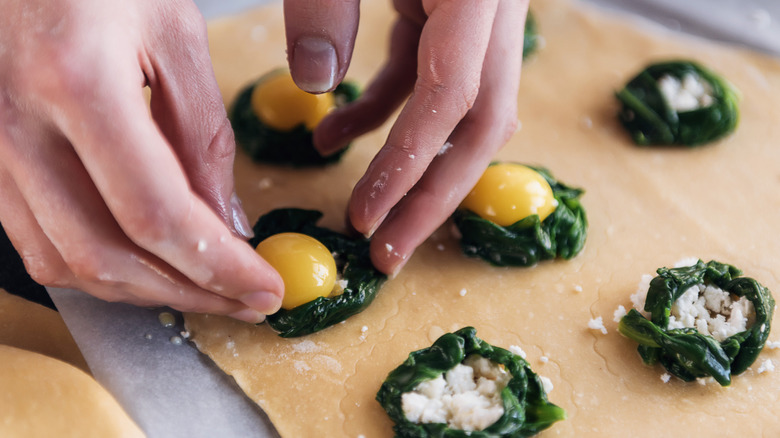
45, 397
647, 208
30, 326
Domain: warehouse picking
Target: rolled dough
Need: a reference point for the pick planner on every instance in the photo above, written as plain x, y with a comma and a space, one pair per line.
647, 207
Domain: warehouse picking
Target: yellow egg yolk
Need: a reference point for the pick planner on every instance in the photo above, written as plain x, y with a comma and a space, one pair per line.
306, 266
280, 104
507, 193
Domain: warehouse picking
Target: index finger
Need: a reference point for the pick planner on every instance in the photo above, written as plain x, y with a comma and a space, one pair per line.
146, 190
448, 78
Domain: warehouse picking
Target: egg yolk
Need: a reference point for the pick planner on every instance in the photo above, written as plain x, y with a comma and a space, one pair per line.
306, 266
507, 193
280, 104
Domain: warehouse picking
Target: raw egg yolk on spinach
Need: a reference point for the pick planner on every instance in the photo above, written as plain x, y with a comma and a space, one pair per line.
306, 266
507, 193
281, 105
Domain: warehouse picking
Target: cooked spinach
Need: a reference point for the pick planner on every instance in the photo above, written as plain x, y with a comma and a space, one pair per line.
352, 261
266, 144
651, 120
530, 35
686, 353
526, 409
529, 240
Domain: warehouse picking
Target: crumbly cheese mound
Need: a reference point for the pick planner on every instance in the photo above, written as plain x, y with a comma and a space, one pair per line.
688, 94
467, 397
711, 311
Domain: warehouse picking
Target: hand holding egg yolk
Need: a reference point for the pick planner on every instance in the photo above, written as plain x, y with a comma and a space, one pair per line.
508, 192
307, 267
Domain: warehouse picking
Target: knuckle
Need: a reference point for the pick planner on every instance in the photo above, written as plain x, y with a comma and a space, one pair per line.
221, 146
460, 96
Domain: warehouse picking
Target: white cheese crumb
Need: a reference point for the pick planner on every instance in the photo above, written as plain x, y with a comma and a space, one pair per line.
620, 312
544, 359
772, 345
577, 288
515, 349
466, 397
462, 292
388, 247
688, 94
766, 366
638, 298
665, 377
202, 245
440, 247
711, 311
586, 122
686, 261
547, 384
364, 329
597, 324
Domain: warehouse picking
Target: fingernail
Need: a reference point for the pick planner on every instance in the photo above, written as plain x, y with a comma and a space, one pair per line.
376, 226
248, 315
314, 64
240, 221
397, 268
265, 302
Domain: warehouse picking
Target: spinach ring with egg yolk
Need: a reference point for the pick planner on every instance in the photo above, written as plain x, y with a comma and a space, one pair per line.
651, 119
353, 263
686, 353
295, 147
526, 409
529, 240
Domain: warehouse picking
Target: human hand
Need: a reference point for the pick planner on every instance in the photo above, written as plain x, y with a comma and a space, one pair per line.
461, 61
99, 195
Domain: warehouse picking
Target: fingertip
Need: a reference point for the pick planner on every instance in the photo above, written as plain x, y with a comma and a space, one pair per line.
266, 302
387, 257
326, 139
248, 315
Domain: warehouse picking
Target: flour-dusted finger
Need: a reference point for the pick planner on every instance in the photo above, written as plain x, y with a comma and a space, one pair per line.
448, 80
452, 174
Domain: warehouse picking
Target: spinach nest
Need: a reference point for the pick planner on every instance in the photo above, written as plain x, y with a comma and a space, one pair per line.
678, 103
694, 350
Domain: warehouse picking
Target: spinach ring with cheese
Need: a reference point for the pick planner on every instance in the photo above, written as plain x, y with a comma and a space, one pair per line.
360, 280
284, 134
694, 352
528, 239
523, 400
678, 103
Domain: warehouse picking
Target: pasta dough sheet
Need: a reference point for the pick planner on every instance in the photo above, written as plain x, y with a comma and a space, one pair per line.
647, 207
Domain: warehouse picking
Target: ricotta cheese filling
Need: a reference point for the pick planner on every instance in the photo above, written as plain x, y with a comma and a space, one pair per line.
711, 311
467, 397
688, 94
